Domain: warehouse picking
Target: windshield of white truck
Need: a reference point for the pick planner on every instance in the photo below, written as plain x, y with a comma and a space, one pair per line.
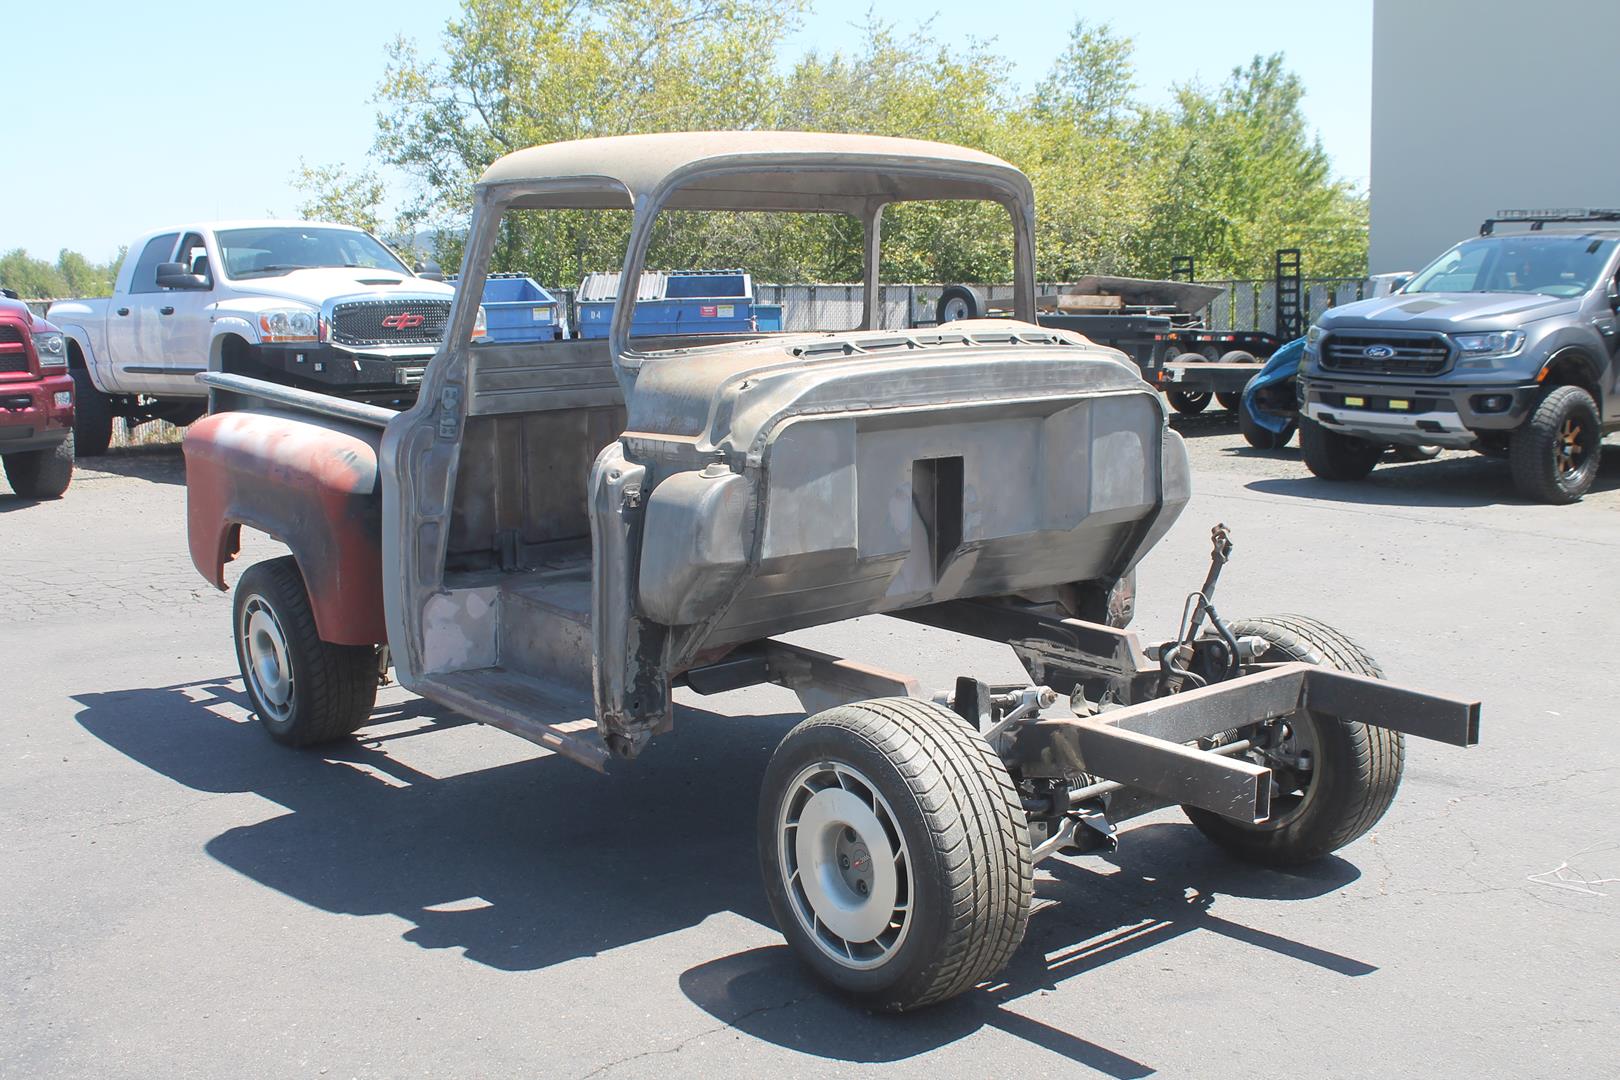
282, 249
1550, 265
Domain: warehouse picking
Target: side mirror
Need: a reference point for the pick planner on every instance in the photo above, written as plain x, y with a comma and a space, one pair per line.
429, 271
10, 294
1397, 284
178, 276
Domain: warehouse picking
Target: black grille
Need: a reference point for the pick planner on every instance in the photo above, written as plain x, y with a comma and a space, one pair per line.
410, 322
1421, 354
13, 354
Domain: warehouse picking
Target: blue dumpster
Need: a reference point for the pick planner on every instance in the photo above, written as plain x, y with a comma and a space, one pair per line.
674, 302
518, 309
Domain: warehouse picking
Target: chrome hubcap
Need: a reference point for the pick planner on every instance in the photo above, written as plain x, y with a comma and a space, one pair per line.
845, 865
269, 667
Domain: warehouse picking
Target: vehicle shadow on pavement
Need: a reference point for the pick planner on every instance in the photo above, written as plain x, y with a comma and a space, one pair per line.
520, 866
1467, 481
1213, 421
1083, 921
529, 864
158, 463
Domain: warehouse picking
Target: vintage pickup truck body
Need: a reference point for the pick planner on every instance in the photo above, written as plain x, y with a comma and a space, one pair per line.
558, 533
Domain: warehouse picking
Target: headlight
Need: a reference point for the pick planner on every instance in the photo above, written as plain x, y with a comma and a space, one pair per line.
290, 324
481, 323
1313, 335
1495, 343
51, 348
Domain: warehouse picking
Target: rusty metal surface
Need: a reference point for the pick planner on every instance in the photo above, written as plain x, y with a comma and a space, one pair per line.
310, 484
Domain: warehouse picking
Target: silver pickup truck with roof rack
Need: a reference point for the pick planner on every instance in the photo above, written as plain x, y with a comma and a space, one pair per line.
558, 535
1508, 344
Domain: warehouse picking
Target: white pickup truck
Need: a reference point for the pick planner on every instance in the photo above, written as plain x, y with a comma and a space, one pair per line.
311, 304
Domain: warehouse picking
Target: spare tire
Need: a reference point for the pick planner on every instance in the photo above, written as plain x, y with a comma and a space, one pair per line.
956, 303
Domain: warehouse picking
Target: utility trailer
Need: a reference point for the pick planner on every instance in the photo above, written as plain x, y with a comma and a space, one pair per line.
558, 534
1160, 325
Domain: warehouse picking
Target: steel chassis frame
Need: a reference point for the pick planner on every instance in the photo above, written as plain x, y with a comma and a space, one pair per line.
1143, 750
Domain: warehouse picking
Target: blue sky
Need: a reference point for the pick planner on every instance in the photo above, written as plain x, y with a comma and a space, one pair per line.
139, 115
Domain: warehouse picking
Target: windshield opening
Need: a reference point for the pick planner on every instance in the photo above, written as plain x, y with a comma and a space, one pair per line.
1550, 265
279, 249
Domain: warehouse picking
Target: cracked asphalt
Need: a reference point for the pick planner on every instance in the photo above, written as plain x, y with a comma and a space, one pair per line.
181, 898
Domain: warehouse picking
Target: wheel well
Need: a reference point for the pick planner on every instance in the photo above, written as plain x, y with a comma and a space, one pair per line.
1572, 368
231, 349
75, 354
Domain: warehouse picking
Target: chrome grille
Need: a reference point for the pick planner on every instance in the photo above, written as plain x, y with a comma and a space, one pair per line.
362, 322
1420, 354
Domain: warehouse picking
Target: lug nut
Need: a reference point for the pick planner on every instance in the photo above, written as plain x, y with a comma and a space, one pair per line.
861, 887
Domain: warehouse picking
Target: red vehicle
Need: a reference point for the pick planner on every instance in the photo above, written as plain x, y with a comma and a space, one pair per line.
36, 403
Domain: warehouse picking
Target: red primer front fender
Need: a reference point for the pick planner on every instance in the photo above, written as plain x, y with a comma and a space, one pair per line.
310, 483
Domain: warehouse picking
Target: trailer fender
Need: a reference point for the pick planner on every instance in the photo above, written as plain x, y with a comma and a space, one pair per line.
310, 483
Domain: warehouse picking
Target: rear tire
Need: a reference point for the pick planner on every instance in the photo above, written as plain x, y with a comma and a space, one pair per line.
304, 690
41, 474
92, 416
907, 789
1332, 456
1230, 400
1357, 767
1555, 455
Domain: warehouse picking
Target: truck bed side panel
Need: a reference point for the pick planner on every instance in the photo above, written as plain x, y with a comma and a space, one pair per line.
308, 482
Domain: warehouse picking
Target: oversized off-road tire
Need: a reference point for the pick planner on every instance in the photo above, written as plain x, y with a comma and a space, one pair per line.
1555, 454
304, 690
92, 416
1333, 456
957, 302
895, 852
1262, 438
1356, 768
41, 474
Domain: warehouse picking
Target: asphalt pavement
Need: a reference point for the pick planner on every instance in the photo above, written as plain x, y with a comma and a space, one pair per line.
179, 897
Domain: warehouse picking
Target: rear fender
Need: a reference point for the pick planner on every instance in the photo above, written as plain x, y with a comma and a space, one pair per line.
310, 483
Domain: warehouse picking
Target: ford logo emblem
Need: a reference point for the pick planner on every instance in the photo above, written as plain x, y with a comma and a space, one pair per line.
1378, 352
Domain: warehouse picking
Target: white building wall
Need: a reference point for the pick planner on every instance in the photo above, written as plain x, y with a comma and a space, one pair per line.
1482, 105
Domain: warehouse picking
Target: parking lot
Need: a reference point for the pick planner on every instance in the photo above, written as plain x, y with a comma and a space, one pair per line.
183, 898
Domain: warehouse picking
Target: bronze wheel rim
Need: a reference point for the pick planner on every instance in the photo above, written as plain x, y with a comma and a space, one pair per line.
1572, 450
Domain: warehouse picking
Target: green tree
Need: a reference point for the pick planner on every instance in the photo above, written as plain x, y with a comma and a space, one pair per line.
1225, 176
71, 275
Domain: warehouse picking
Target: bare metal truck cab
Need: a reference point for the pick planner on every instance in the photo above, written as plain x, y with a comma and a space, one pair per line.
558, 534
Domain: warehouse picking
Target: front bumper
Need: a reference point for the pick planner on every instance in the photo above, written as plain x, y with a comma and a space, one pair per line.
35, 414
328, 367
1409, 414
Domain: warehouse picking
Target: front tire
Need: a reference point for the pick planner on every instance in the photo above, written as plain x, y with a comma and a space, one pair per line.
41, 474
1355, 768
895, 852
92, 416
304, 690
1555, 455
1332, 456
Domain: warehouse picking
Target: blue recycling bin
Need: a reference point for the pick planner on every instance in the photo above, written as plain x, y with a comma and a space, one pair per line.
669, 303
516, 308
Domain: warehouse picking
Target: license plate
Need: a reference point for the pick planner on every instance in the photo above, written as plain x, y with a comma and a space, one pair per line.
1355, 402
1397, 404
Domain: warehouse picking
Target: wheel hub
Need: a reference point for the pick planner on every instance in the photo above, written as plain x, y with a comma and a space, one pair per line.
845, 865
268, 666
1570, 451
